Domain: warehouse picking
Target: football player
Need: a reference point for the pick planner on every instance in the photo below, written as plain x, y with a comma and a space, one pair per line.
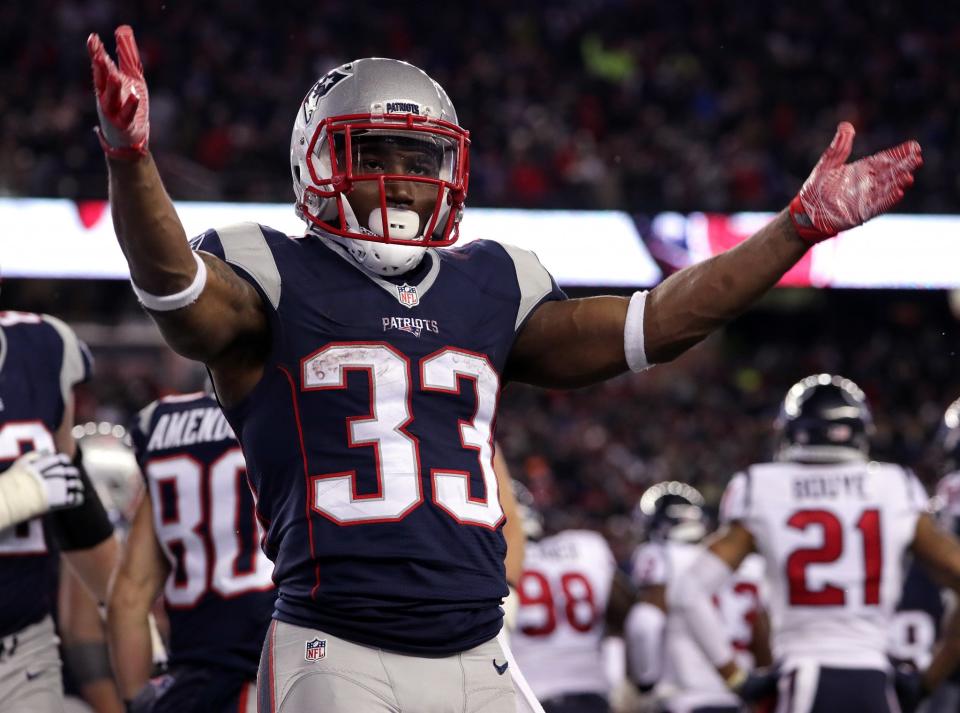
361, 365
112, 469
196, 538
571, 595
41, 360
662, 651
947, 506
833, 528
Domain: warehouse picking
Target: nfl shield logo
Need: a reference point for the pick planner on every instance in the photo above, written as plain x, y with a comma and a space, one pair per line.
407, 295
315, 650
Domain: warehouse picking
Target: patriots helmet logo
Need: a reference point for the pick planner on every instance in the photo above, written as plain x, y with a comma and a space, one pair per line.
319, 90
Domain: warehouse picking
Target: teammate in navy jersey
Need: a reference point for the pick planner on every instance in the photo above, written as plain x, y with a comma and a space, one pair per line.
195, 537
361, 363
40, 362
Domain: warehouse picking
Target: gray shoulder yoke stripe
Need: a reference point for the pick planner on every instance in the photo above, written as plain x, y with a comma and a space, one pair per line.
532, 277
72, 368
244, 245
143, 418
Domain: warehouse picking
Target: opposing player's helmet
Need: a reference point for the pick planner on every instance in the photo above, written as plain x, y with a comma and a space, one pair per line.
672, 510
824, 418
381, 101
112, 467
530, 514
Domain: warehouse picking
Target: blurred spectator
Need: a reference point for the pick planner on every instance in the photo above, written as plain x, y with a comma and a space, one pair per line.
643, 105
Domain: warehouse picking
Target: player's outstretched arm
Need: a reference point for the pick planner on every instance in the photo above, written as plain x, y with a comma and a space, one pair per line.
139, 580
577, 342
202, 307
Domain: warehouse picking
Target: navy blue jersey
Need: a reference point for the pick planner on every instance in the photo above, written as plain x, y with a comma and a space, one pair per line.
916, 623
40, 362
219, 594
369, 438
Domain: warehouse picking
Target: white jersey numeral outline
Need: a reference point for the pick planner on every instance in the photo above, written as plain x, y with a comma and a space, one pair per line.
200, 564
397, 455
17, 438
444, 371
397, 452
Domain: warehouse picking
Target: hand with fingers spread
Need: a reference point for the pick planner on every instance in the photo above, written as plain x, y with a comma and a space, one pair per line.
839, 196
122, 101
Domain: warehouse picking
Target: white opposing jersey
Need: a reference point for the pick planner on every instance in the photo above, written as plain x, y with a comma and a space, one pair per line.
833, 537
563, 594
687, 679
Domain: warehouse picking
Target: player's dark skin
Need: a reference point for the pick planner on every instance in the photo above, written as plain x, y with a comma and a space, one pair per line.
566, 343
938, 550
376, 157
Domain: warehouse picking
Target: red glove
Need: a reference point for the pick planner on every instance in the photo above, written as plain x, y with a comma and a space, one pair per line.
839, 196
122, 101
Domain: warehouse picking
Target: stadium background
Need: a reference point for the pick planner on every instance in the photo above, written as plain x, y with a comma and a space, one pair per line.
641, 105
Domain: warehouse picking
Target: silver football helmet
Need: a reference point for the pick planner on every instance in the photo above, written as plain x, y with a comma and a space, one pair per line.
672, 510
391, 102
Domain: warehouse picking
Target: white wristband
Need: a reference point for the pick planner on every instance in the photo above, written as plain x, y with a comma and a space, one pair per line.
633, 346
178, 300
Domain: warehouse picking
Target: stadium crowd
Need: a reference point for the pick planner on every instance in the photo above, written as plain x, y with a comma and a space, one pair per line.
642, 105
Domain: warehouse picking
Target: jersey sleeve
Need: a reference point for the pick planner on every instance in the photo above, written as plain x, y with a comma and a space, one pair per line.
245, 248
140, 431
649, 568
76, 364
735, 503
535, 283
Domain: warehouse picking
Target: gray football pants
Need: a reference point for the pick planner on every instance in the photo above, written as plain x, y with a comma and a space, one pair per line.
351, 678
30, 679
